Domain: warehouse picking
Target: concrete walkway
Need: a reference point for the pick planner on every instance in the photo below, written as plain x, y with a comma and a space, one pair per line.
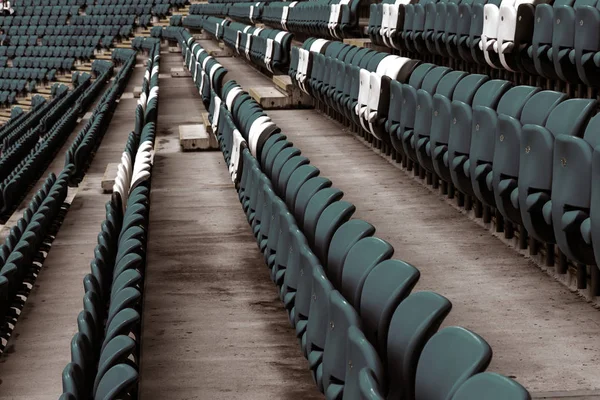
542, 335
40, 347
213, 326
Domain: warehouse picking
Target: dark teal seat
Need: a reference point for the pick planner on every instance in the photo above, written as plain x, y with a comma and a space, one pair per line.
313, 340
491, 386
483, 138
386, 286
459, 144
449, 358
342, 316
414, 321
335, 215
295, 182
315, 207
360, 261
572, 191
506, 150
305, 194
116, 383
536, 161
344, 238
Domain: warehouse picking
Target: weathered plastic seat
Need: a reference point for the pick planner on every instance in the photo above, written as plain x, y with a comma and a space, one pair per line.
491, 386
386, 286
415, 320
483, 138
536, 160
459, 145
572, 191
505, 173
360, 260
449, 358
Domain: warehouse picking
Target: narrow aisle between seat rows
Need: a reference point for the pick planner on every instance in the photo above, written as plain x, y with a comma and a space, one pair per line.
534, 324
209, 327
40, 345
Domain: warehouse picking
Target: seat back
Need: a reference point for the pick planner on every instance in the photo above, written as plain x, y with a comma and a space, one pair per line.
386, 286
415, 320
341, 317
491, 386
449, 358
335, 215
361, 259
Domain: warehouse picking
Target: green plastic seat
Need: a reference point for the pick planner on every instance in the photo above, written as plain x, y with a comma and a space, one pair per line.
116, 383
449, 358
365, 377
491, 386
313, 340
344, 238
307, 264
334, 216
385, 287
305, 194
117, 351
286, 171
414, 321
282, 157
298, 177
315, 207
361, 259
73, 381
342, 316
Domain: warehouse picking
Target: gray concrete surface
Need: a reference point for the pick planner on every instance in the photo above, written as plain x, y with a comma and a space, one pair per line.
213, 326
31, 367
542, 334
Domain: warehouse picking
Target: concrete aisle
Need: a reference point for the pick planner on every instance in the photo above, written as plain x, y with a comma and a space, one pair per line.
213, 326
39, 349
542, 334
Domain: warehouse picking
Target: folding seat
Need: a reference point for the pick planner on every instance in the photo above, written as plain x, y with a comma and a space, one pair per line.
360, 260
375, 115
317, 327
587, 44
396, 107
301, 261
365, 377
314, 209
405, 133
342, 316
463, 128
470, 32
432, 23
385, 287
307, 192
281, 259
536, 165
449, 358
413, 322
483, 140
571, 192
563, 41
425, 113
117, 382
414, 31
492, 386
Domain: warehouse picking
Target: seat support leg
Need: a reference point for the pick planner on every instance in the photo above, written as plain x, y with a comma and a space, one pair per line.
549, 254
581, 276
595, 280
460, 199
499, 221
509, 230
563, 263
